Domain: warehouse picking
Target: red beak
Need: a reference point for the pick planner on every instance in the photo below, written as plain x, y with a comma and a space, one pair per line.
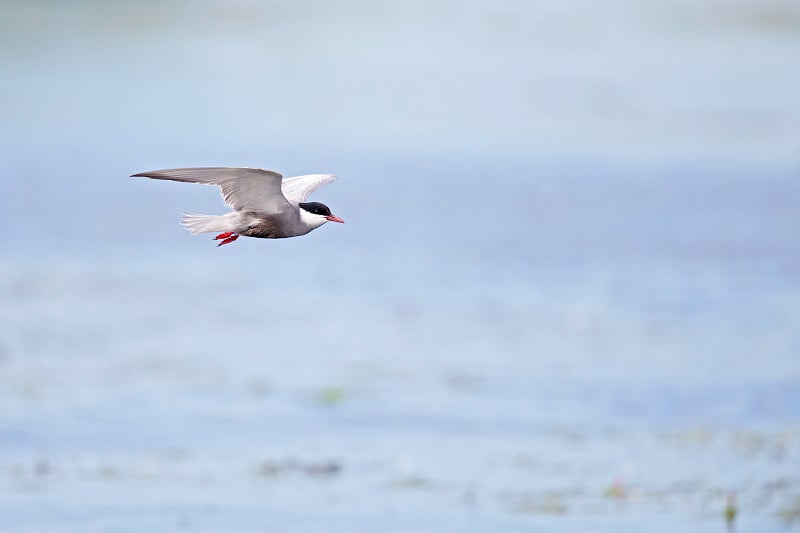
334, 218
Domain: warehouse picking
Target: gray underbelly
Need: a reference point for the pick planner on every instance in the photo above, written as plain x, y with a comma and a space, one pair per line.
266, 227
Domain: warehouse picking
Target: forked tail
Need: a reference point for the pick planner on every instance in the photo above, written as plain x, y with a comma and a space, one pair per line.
195, 224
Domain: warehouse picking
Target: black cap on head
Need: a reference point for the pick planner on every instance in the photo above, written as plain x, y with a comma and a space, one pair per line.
317, 208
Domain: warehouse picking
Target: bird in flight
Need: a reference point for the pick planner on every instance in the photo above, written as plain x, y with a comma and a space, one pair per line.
265, 205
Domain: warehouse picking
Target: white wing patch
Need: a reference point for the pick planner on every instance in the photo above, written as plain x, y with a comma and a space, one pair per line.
299, 188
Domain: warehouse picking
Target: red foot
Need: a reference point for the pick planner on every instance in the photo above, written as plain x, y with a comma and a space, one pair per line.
227, 240
223, 235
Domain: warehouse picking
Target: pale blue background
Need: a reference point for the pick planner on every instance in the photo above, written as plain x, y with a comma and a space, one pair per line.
567, 295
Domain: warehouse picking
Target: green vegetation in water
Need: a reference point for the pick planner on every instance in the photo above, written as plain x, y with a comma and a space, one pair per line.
730, 512
616, 491
412, 483
330, 396
790, 514
316, 469
551, 505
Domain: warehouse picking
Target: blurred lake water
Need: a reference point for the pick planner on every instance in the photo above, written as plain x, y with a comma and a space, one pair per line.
567, 295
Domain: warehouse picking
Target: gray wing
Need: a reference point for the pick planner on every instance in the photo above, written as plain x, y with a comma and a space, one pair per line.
244, 189
297, 189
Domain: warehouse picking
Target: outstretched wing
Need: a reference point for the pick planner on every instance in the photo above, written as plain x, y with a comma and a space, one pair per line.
297, 189
244, 189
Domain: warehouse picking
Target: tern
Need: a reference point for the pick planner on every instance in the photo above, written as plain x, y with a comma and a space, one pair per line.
265, 205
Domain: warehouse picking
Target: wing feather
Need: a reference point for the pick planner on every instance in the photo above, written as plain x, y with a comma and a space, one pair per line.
243, 189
